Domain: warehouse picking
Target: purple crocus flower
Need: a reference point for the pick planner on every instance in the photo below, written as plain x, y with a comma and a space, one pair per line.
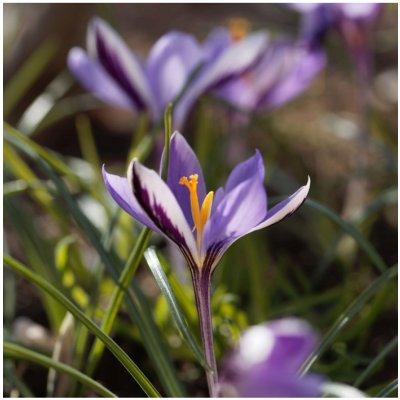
353, 22
118, 76
267, 362
285, 70
202, 225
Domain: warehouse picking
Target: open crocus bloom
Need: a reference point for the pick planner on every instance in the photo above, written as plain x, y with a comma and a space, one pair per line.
285, 70
116, 75
202, 225
267, 362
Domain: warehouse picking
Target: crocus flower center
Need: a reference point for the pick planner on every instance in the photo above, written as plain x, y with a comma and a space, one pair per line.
238, 28
200, 215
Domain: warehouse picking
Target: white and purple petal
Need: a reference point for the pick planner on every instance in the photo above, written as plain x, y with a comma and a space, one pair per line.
96, 80
160, 205
106, 46
121, 191
285, 207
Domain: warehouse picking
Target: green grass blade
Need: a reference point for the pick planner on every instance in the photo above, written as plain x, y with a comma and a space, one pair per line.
33, 149
120, 354
28, 73
46, 100
176, 312
348, 314
375, 258
15, 351
371, 366
387, 390
117, 297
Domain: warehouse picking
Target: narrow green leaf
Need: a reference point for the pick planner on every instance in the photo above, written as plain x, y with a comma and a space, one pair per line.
87, 143
46, 100
176, 312
33, 149
117, 297
347, 316
120, 354
390, 388
371, 366
375, 258
28, 73
15, 351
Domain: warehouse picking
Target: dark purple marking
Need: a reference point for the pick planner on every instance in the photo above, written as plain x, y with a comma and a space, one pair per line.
110, 62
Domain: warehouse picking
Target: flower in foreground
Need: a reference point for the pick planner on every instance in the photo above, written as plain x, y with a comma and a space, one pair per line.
267, 362
202, 225
116, 75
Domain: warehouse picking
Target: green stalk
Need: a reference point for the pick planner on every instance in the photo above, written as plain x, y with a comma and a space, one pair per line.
119, 353
12, 350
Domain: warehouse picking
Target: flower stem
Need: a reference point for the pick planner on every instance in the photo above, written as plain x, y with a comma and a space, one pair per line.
202, 293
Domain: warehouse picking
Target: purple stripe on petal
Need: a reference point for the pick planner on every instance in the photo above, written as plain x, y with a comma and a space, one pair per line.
96, 80
117, 59
285, 207
160, 205
121, 192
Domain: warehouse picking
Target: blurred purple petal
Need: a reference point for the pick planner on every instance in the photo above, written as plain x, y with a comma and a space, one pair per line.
232, 62
96, 80
267, 360
171, 61
106, 46
285, 70
298, 67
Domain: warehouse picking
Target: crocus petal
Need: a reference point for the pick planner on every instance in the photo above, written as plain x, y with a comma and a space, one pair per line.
183, 162
171, 61
267, 360
232, 62
243, 207
162, 208
109, 49
96, 80
121, 191
361, 11
216, 43
298, 66
285, 207
252, 168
